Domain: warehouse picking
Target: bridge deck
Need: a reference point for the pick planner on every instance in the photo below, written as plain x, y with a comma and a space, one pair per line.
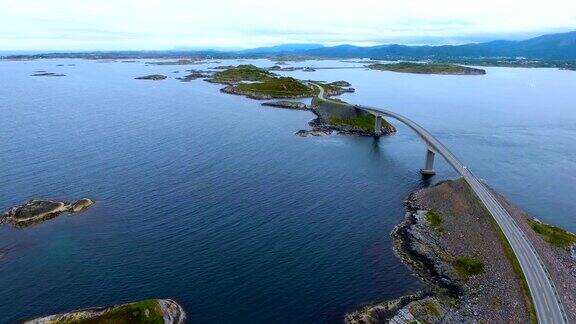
547, 303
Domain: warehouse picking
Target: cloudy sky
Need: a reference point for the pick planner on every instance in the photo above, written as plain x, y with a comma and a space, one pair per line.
140, 24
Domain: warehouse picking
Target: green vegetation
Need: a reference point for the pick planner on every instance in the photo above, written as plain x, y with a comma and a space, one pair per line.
445, 299
332, 89
364, 122
426, 68
432, 309
276, 87
466, 266
434, 220
246, 72
146, 312
553, 235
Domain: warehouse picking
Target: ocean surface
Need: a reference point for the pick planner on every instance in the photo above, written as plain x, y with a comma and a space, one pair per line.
210, 199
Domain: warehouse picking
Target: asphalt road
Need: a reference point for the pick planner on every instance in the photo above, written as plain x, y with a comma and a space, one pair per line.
548, 306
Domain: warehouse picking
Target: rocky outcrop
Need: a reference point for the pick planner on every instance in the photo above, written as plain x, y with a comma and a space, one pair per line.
232, 89
294, 105
279, 68
194, 75
148, 311
493, 296
153, 77
48, 74
224, 67
82, 204
319, 128
341, 83
327, 110
35, 211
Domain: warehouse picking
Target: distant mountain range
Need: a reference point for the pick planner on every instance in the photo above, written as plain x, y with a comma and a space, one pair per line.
286, 48
552, 46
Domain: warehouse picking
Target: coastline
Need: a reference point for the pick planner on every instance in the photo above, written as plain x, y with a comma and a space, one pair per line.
433, 254
429, 247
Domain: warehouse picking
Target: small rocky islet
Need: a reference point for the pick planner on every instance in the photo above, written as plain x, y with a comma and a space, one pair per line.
47, 74
153, 77
286, 104
194, 75
38, 210
165, 311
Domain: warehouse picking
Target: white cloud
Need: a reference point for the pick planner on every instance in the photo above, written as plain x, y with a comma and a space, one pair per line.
138, 24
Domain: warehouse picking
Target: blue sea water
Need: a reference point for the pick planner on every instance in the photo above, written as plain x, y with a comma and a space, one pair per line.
210, 199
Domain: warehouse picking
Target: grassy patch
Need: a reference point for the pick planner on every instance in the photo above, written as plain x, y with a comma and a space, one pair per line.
278, 87
466, 266
553, 235
426, 68
432, 309
363, 122
146, 311
434, 220
331, 89
246, 72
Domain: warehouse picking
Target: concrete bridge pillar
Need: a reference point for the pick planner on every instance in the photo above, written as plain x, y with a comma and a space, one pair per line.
429, 163
378, 126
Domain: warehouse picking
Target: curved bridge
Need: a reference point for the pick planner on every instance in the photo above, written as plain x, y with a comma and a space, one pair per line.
547, 303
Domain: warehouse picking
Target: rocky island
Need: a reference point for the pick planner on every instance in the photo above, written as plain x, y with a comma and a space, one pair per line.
177, 62
48, 74
154, 77
194, 75
338, 116
257, 83
294, 105
336, 88
453, 244
164, 311
35, 211
280, 87
427, 68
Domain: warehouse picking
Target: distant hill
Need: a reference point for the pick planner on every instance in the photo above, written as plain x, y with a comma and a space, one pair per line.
281, 49
552, 46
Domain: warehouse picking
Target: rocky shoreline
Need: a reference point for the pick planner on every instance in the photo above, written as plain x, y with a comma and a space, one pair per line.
233, 89
319, 127
153, 77
148, 311
293, 105
433, 250
35, 211
194, 75
330, 117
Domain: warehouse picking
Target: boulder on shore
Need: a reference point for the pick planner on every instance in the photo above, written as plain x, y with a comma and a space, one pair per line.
36, 210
